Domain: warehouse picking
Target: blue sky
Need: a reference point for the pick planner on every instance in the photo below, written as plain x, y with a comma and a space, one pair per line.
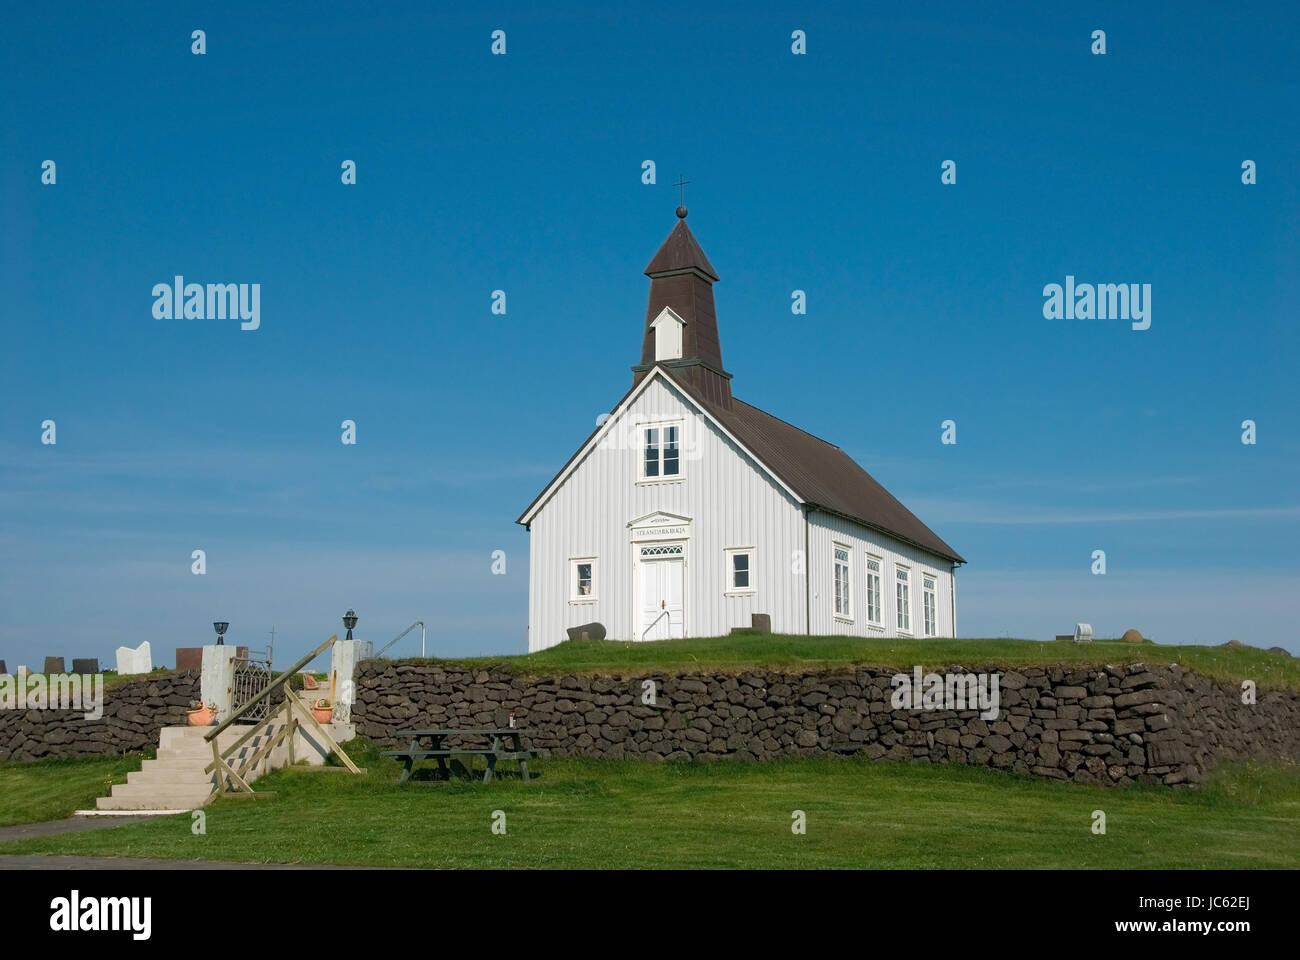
523, 173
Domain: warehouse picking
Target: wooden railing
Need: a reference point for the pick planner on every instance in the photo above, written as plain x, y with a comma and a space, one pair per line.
294, 713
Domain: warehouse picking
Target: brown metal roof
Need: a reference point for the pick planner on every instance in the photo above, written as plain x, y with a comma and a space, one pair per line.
821, 473
681, 278
681, 251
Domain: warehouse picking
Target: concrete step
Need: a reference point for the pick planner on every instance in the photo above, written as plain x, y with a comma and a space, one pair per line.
151, 797
185, 751
174, 766
181, 737
203, 751
175, 780
164, 776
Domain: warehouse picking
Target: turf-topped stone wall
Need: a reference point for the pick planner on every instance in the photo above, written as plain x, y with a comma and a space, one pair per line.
1100, 724
134, 711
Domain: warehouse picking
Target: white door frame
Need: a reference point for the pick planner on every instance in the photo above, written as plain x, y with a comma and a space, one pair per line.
659, 529
636, 583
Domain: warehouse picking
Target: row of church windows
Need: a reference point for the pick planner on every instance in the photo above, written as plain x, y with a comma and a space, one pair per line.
740, 563
842, 597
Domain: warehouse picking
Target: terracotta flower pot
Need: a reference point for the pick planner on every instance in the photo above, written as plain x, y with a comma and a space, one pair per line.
323, 715
202, 717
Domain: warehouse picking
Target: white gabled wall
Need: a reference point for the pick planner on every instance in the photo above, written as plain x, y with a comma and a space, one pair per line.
825, 530
731, 500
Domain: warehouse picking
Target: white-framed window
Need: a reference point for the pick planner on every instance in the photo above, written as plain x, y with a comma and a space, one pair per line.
928, 603
661, 451
874, 612
843, 582
582, 580
740, 570
903, 595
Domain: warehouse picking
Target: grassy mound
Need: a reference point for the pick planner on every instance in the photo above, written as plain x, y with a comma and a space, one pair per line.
739, 652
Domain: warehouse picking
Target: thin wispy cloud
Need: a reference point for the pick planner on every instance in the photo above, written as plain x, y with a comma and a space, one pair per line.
994, 514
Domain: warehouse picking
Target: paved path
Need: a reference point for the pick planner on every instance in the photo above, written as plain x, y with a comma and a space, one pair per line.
29, 831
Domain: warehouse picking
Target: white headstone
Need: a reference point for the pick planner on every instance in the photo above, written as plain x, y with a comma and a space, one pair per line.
139, 660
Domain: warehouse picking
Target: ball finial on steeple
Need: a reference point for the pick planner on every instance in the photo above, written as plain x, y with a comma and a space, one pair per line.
681, 196
681, 213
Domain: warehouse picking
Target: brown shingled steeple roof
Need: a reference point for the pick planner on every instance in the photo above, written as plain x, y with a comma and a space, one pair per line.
682, 279
681, 251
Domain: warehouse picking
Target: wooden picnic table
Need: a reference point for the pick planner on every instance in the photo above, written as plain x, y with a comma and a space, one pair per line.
497, 749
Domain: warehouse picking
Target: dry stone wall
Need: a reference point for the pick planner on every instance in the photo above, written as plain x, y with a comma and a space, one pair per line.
1140, 723
134, 711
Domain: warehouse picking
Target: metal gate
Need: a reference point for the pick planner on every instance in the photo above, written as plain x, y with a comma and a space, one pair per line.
252, 676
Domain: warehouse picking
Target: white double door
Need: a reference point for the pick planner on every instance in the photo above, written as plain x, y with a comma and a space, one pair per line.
660, 586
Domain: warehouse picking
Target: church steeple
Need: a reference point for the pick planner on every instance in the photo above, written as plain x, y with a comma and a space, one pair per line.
685, 338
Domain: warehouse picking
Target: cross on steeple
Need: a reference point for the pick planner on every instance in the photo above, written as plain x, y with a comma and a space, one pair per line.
681, 195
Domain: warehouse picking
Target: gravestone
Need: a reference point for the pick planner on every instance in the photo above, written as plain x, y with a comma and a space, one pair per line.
54, 665
761, 622
594, 631
84, 665
139, 660
189, 658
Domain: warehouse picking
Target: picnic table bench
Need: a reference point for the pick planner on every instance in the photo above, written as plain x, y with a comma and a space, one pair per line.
497, 749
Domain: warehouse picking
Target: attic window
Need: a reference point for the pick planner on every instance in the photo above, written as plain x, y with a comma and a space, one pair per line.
661, 452
667, 332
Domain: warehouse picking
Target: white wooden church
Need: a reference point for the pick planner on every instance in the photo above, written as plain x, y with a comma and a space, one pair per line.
687, 511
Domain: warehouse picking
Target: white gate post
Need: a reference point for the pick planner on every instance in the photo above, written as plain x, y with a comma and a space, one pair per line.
217, 679
344, 657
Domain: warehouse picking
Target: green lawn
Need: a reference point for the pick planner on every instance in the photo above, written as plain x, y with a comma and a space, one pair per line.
615, 813
740, 651
53, 789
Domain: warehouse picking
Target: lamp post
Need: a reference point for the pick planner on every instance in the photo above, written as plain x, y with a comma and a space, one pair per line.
220, 626
350, 621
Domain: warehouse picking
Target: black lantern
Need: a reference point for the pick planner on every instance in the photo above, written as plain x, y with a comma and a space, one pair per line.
220, 626
350, 621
